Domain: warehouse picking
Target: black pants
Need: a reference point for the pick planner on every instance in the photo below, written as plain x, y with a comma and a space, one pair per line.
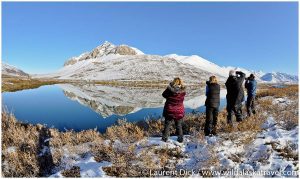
166, 131
236, 110
250, 105
211, 120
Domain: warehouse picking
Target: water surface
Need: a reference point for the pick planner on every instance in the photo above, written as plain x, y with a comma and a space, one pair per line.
80, 107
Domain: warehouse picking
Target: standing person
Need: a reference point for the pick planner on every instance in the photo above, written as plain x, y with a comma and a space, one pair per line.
235, 95
174, 109
212, 104
250, 85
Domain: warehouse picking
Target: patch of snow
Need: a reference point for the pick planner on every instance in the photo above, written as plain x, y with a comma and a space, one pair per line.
88, 168
270, 122
282, 101
11, 149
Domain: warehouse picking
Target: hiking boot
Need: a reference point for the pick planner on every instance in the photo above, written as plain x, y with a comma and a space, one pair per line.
239, 119
214, 133
164, 139
230, 124
180, 139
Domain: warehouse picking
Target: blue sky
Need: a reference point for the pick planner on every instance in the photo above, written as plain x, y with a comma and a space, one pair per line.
39, 37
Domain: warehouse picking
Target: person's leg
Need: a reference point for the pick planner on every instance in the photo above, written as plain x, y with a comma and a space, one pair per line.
253, 105
238, 112
248, 106
178, 124
208, 121
215, 121
166, 130
229, 114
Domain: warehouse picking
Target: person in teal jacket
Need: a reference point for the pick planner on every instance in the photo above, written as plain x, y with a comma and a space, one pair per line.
251, 85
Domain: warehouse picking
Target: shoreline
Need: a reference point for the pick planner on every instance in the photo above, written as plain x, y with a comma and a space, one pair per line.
13, 83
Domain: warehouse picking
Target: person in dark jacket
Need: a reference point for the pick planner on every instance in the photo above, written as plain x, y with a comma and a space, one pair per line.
250, 85
174, 109
235, 95
212, 104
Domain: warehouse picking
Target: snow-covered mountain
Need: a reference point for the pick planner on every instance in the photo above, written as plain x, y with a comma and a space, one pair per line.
12, 71
111, 62
277, 77
123, 62
206, 65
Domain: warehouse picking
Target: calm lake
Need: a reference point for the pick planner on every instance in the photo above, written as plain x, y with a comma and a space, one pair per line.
80, 107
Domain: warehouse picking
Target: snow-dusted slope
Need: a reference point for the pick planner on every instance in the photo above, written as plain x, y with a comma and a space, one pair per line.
277, 77
206, 65
131, 67
12, 71
122, 62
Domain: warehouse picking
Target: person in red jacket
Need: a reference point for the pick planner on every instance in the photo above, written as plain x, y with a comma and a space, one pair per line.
174, 109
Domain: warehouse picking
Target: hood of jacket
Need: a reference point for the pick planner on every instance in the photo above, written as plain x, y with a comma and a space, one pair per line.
176, 88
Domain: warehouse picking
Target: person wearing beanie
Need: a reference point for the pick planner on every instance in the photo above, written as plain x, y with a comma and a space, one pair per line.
235, 96
231, 73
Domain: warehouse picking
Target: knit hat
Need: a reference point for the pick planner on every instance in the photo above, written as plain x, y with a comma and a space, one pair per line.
231, 73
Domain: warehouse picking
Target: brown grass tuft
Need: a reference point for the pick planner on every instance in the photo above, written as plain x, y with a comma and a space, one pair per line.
125, 132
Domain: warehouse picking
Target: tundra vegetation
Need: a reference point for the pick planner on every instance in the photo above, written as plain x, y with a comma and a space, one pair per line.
13, 83
34, 150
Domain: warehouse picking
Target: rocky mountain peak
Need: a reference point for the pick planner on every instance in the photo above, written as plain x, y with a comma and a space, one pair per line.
106, 48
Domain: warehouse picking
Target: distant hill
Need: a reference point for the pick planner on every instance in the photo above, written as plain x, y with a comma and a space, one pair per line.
277, 77
10, 70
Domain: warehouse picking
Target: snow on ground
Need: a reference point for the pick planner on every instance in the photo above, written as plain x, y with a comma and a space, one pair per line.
235, 156
272, 152
263, 155
88, 167
281, 101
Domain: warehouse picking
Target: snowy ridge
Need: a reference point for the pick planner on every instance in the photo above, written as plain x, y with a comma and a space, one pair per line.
123, 62
208, 66
277, 77
12, 71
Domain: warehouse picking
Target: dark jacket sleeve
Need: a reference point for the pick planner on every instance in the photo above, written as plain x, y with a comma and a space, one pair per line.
241, 78
206, 88
166, 93
247, 84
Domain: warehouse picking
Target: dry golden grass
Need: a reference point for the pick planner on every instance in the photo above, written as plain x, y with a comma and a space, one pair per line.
27, 141
124, 162
11, 83
16, 84
288, 91
23, 161
125, 132
74, 172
